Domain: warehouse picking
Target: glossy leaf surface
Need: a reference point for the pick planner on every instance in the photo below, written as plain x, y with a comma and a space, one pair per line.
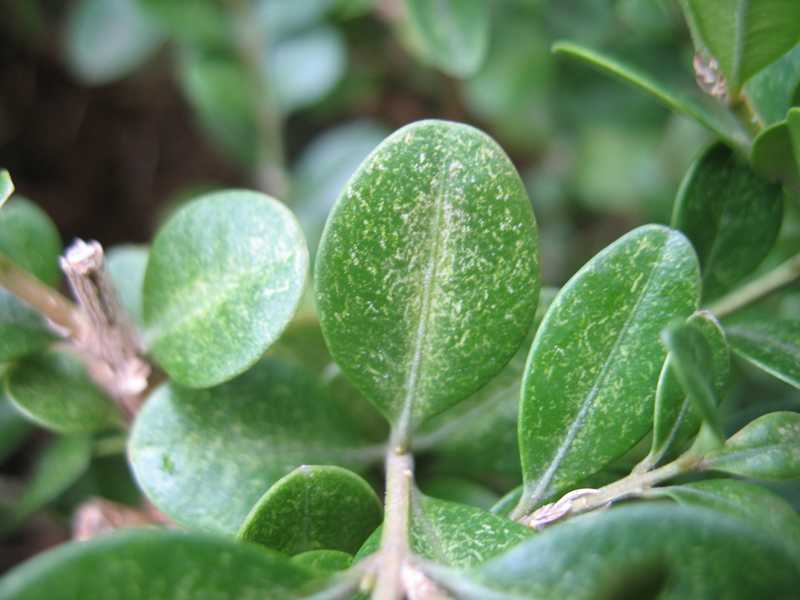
774, 154
771, 344
205, 457
126, 266
314, 508
574, 420
773, 90
427, 274
223, 279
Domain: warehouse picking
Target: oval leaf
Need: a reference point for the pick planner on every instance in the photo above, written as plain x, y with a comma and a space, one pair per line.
314, 508
223, 279
590, 381
776, 153
771, 344
205, 457
427, 273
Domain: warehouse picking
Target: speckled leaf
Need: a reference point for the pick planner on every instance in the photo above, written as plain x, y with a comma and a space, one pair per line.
156, 565
427, 273
314, 508
771, 93
205, 457
767, 448
771, 344
701, 110
452, 35
743, 35
126, 266
574, 420
675, 419
54, 390
223, 279
701, 551
6, 187
324, 561
731, 215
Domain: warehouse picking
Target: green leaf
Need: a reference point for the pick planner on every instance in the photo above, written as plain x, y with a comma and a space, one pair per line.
731, 215
314, 508
6, 186
775, 153
156, 565
701, 551
607, 319
744, 35
205, 457
54, 390
14, 428
772, 91
106, 40
703, 111
324, 561
771, 344
22, 330
427, 272
126, 266
224, 277
767, 448
462, 491
201, 22
451, 35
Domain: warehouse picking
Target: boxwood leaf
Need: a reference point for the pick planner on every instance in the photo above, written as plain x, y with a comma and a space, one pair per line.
772, 91
314, 508
462, 491
701, 551
156, 565
54, 390
324, 561
427, 272
451, 35
126, 266
731, 215
771, 344
6, 186
702, 111
767, 448
606, 319
744, 36
775, 153
205, 457
223, 279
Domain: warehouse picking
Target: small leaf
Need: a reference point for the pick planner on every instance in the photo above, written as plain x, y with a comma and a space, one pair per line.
314, 508
774, 154
452, 35
205, 457
767, 448
427, 273
575, 420
126, 266
156, 565
744, 36
703, 111
771, 344
772, 91
223, 279
731, 215
6, 186
54, 390
324, 561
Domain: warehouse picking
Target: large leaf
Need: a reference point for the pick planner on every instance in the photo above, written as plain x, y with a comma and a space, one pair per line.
223, 279
314, 508
427, 273
771, 344
701, 552
731, 215
450, 34
126, 266
590, 381
156, 565
744, 35
772, 91
54, 390
767, 448
205, 457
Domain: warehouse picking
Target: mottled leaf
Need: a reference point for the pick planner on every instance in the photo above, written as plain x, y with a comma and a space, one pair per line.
314, 508
126, 266
427, 273
156, 565
205, 457
324, 561
767, 448
731, 215
575, 420
223, 279
771, 93
6, 186
771, 344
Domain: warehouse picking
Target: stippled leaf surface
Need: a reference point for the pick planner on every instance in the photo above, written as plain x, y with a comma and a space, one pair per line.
774, 90
731, 215
6, 186
744, 35
427, 273
767, 448
701, 551
314, 508
223, 279
126, 266
54, 390
591, 376
450, 34
205, 457
324, 561
156, 565
771, 344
